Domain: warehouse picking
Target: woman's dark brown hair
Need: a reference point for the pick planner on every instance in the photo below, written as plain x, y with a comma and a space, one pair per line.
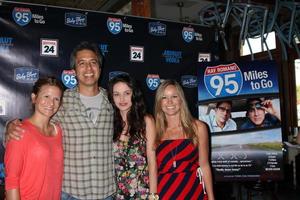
137, 113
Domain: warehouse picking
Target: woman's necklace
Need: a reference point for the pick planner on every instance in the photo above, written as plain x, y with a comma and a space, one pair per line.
174, 154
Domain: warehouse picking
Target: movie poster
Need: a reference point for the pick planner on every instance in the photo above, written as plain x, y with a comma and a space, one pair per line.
240, 104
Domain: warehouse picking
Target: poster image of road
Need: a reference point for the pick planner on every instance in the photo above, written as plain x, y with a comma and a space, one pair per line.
247, 156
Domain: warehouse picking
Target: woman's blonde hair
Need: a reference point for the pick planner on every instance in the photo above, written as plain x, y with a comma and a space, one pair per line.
186, 119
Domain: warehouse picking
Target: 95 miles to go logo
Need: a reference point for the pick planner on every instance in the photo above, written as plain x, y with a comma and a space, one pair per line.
223, 80
68, 78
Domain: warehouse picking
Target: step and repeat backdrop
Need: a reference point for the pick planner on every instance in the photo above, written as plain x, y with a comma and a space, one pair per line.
241, 106
37, 40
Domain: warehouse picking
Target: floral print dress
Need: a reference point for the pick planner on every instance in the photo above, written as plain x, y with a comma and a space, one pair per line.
132, 176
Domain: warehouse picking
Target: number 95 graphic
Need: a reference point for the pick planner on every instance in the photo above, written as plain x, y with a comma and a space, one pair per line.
222, 85
68, 78
114, 25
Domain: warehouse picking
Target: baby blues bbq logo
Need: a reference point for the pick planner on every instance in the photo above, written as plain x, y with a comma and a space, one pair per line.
22, 16
223, 80
172, 56
157, 28
114, 25
26, 75
188, 34
153, 81
113, 74
75, 19
68, 78
189, 81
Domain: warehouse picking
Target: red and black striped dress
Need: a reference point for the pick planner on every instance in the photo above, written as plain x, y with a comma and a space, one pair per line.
177, 162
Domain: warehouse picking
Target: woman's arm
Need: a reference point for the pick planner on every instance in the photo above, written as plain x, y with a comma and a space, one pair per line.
151, 156
13, 194
204, 162
13, 130
13, 161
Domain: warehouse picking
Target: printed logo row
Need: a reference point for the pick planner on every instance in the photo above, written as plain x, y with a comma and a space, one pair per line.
68, 77
23, 16
50, 47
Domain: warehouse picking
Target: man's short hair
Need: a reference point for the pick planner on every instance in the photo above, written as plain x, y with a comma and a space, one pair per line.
220, 102
256, 105
85, 46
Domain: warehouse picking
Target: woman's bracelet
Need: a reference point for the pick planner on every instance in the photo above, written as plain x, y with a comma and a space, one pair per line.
153, 196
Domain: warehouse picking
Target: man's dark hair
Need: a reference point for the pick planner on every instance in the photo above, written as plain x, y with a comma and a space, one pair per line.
250, 104
220, 102
85, 46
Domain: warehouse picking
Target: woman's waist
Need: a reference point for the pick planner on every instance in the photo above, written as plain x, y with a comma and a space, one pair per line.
178, 171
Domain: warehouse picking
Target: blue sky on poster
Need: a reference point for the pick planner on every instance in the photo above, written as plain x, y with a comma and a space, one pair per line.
270, 135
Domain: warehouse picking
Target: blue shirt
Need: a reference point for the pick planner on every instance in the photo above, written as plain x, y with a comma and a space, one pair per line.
269, 120
210, 120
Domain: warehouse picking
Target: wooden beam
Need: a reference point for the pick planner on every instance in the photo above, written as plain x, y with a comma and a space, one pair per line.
141, 8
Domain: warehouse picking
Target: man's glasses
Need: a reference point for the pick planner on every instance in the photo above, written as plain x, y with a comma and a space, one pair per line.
257, 105
223, 109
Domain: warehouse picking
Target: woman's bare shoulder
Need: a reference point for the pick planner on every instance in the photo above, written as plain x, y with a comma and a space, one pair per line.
148, 119
199, 124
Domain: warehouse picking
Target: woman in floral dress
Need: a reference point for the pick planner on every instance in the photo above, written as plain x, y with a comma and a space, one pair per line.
133, 129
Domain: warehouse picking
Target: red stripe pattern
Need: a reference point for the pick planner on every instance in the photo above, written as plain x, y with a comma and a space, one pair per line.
177, 162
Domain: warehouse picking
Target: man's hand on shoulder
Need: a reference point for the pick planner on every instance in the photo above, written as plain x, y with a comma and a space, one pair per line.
13, 130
